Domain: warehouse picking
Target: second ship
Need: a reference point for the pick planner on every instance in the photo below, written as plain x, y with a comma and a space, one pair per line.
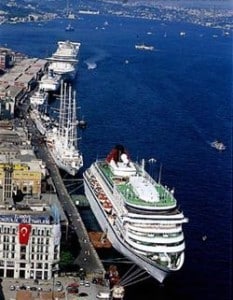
61, 136
62, 140
138, 214
64, 60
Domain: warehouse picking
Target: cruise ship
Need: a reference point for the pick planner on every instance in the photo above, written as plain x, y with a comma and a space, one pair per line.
62, 140
64, 61
50, 82
138, 214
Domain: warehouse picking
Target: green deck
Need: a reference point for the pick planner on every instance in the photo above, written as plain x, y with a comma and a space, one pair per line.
166, 198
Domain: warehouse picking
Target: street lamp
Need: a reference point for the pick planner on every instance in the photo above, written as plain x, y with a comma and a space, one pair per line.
54, 273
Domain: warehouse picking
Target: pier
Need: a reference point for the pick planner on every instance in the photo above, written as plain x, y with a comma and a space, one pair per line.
88, 258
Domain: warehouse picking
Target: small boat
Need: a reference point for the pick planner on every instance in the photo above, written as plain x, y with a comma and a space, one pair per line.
218, 145
144, 47
69, 27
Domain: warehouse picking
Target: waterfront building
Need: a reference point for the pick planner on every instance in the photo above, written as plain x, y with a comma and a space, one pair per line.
6, 58
29, 243
29, 219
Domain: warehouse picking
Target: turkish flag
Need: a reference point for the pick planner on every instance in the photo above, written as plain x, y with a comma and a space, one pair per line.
24, 232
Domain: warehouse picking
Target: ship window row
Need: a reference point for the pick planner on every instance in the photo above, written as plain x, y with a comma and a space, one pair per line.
156, 226
152, 235
156, 244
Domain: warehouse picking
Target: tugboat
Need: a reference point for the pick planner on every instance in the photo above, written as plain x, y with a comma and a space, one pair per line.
218, 145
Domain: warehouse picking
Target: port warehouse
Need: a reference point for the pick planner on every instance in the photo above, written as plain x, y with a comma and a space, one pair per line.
23, 180
20, 76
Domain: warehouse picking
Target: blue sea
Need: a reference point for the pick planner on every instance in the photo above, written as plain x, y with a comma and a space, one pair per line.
168, 104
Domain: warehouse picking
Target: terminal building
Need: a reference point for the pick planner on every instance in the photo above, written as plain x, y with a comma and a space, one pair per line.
21, 78
29, 218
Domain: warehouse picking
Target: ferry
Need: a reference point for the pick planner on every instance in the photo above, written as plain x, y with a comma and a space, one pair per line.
139, 215
144, 47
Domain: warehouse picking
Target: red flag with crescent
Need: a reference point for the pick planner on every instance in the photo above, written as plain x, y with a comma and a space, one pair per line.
24, 233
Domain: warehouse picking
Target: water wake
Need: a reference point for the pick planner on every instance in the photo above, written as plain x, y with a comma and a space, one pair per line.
97, 57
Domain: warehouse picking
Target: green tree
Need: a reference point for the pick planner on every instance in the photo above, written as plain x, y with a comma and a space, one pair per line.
66, 259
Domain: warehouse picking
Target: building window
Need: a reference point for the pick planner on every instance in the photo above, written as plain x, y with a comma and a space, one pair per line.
22, 256
23, 249
39, 265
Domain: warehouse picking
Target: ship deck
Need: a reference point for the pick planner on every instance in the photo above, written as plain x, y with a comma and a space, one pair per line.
166, 198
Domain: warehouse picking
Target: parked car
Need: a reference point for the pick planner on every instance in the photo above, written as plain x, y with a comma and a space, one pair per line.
58, 283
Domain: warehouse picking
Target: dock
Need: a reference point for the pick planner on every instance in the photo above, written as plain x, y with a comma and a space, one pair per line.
88, 257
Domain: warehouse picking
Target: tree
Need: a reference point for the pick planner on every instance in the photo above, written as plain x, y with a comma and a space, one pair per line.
66, 259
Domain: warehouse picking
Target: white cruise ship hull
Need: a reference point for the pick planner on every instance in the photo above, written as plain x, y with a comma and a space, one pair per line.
118, 243
50, 82
61, 71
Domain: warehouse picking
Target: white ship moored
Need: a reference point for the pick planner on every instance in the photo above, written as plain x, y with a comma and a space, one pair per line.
50, 82
42, 121
139, 215
38, 98
62, 141
64, 61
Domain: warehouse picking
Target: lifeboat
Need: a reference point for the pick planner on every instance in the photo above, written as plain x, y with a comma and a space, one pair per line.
99, 240
107, 206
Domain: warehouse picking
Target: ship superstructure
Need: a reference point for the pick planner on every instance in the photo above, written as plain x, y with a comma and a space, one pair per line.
139, 214
64, 61
38, 98
50, 82
62, 140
